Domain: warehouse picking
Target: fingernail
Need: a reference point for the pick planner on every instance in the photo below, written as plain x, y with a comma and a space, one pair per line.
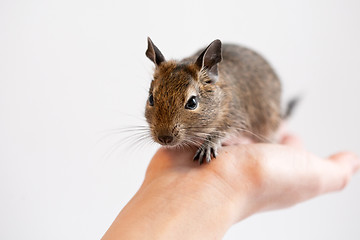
356, 164
355, 161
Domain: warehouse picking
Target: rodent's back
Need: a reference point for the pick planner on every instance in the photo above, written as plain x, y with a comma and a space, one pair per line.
252, 91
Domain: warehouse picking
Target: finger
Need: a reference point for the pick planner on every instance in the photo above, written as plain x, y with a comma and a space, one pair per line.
237, 140
348, 159
292, 140
339, 170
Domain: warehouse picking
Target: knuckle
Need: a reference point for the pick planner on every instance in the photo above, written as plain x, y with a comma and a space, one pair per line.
344, 181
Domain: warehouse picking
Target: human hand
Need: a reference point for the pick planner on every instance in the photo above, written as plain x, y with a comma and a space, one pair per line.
181, 200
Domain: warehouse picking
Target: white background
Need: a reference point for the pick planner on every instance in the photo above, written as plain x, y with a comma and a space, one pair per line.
72, 70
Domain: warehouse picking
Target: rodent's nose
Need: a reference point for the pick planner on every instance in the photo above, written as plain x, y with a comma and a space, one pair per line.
165, 139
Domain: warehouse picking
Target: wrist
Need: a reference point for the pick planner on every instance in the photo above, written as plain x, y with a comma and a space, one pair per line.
181, 208
167, 208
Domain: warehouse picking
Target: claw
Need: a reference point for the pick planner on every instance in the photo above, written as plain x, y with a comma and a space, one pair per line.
207, 150
208, 155
214, 152
196, 157
205, 154
201, 156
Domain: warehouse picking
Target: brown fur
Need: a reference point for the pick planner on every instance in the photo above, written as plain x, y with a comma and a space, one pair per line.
245, 97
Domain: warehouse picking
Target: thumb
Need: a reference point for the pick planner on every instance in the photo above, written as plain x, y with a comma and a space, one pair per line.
347, 159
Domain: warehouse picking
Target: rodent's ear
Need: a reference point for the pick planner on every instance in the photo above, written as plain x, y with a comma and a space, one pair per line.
210, 58
153, 53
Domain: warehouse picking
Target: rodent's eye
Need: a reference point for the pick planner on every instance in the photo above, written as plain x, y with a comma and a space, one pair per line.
192, 103
151, 100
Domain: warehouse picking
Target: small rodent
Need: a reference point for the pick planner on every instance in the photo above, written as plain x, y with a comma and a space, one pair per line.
221, 91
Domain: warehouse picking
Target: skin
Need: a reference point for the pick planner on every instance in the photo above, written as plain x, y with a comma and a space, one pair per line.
181, 200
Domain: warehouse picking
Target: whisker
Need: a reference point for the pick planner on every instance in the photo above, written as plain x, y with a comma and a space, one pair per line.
201, 130
111, 132
130, 137
258, 136
140, 143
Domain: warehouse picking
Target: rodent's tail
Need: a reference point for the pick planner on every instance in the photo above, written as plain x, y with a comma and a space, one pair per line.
291, 105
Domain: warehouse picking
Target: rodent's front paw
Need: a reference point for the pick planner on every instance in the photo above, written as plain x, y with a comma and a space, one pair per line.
205, 152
